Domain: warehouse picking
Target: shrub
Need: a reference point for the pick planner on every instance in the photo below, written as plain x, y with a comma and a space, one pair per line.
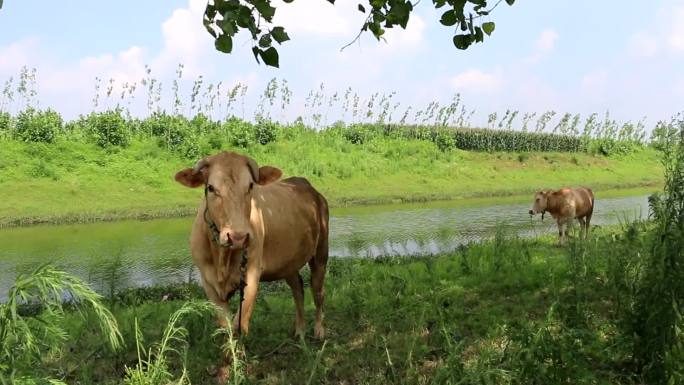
201, 124
38, 126
445, 141
5, 124
360, 134
108, 129
265, 132
239, 132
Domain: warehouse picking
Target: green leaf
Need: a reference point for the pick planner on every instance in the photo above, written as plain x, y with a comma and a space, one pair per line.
224, 43
256, 51
209, 28
462, 41
279, 34
362, 9
265, 9
227, 25
265, 41
479, 36
270, 57
510, 2
488, 27
448, 18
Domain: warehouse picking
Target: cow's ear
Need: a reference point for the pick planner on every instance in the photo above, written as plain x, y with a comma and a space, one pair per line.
268, 174
190, 178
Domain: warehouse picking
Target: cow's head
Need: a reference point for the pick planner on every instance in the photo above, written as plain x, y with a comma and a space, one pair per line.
540, 202
230, 180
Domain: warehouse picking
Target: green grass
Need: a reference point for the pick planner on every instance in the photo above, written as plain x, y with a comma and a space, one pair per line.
502, 312
79, 182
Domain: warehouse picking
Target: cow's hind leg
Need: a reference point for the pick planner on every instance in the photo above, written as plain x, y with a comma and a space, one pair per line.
297, 285
583, 227
318, 290
318, 265
587, 225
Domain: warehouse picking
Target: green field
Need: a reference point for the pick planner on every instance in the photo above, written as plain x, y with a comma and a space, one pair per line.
72, 181
503, 312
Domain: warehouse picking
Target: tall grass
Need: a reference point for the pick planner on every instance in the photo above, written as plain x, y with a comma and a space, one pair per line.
152, 367
659, 320
111, 122
26, 340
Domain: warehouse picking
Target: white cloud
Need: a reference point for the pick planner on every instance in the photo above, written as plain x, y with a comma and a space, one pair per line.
546, 40
399, 38
643, 44
543, 45
477, 81
317, 17
676, 33
594, 85
185, 41
595, 80
18, 54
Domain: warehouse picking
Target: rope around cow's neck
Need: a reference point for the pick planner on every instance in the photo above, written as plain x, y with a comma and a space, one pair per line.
215, 234
212, 226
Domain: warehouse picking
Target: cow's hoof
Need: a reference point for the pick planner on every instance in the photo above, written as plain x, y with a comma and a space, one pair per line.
223, 375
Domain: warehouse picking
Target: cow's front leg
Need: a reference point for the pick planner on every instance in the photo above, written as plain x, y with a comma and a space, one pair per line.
222, 312
561, 224
252, 280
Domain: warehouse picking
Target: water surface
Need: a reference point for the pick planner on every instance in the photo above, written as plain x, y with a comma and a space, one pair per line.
113, 255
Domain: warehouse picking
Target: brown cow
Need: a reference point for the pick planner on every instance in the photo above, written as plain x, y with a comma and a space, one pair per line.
565, 205
282, 224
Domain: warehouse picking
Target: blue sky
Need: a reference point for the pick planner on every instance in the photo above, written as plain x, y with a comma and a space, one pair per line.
568, 56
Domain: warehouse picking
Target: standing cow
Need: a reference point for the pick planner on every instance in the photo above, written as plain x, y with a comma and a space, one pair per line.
565, 205
281, 224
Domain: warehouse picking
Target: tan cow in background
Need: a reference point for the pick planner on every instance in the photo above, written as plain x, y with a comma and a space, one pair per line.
564, 206
282, 225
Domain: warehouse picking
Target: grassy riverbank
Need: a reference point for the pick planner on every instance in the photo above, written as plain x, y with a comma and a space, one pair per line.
69, 181
502, 312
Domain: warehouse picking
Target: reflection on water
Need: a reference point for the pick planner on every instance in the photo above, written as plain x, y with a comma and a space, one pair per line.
141, 253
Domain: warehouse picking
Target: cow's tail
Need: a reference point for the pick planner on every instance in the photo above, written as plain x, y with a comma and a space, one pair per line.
591, 195
323, 218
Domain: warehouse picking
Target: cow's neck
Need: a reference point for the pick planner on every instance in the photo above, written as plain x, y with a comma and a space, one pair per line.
553, 205
227, 264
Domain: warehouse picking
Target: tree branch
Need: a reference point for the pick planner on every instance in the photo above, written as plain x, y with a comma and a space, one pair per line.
358, 36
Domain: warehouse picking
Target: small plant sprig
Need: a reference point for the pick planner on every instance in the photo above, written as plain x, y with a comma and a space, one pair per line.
544, 120
491, 119
285, 97
177, 102
7, 95
527, 117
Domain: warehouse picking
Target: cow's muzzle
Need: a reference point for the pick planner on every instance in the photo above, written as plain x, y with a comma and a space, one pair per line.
234, 240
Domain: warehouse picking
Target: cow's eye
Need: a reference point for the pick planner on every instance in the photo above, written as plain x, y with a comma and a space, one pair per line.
251, 185
210, 188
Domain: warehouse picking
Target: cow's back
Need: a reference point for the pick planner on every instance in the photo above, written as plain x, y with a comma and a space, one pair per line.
295, 222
